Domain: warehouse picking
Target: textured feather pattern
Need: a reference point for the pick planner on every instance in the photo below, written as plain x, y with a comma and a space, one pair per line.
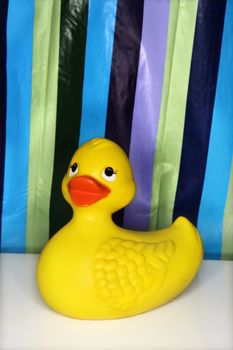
126, 271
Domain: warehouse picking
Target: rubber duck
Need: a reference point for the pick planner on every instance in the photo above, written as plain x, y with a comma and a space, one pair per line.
92, 268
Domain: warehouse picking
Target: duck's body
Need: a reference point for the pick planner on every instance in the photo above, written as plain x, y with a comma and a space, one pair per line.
93, 269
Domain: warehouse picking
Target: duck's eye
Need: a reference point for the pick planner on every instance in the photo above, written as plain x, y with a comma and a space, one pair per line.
109, 174
73, 169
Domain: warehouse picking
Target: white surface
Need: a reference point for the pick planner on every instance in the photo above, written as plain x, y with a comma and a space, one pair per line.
200, 318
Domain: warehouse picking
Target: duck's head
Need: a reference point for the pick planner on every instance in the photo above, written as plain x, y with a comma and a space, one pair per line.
99, 176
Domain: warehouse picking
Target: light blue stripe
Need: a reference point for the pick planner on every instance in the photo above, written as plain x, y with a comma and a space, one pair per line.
19, 76
211, 213
99, 46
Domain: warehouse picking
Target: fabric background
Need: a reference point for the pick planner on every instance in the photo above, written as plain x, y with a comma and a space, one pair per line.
155, 76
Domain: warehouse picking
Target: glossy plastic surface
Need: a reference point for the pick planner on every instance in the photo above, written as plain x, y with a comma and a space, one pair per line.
93, 269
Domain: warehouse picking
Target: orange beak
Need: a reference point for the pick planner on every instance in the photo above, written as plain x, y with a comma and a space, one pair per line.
85, 190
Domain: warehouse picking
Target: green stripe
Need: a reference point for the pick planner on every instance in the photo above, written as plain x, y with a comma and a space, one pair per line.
43, 121
227, 243
181, 28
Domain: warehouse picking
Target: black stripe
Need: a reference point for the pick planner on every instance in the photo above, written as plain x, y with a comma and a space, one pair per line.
199, 109
3, 92
69, 105
126, 50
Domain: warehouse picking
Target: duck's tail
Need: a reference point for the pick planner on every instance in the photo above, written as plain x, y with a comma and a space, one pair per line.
182, 221
185, 225
187, 258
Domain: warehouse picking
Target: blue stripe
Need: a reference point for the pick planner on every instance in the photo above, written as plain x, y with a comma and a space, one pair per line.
99, 47
211, 213
19, 76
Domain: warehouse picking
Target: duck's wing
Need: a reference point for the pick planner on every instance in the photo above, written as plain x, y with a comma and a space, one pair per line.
127, 272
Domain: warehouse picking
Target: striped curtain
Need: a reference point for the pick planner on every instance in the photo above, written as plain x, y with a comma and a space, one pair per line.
155, 76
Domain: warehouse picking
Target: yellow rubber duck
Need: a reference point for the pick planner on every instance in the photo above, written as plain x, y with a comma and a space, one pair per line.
93, 269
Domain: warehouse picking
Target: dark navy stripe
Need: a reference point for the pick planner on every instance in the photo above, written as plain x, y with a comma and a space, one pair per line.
3, 89
69, 104
126, 50
199, 108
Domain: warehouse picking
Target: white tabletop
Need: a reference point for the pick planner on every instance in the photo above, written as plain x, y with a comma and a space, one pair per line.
200, 318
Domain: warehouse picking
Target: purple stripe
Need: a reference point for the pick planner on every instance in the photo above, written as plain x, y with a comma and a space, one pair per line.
147, 109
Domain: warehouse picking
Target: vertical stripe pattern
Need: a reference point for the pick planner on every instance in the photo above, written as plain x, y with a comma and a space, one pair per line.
128, 29
20, 20
43, 121
147, 109
3, 96
100, 34
169, 141
211, 214
199, 108
69, 103
155, 76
